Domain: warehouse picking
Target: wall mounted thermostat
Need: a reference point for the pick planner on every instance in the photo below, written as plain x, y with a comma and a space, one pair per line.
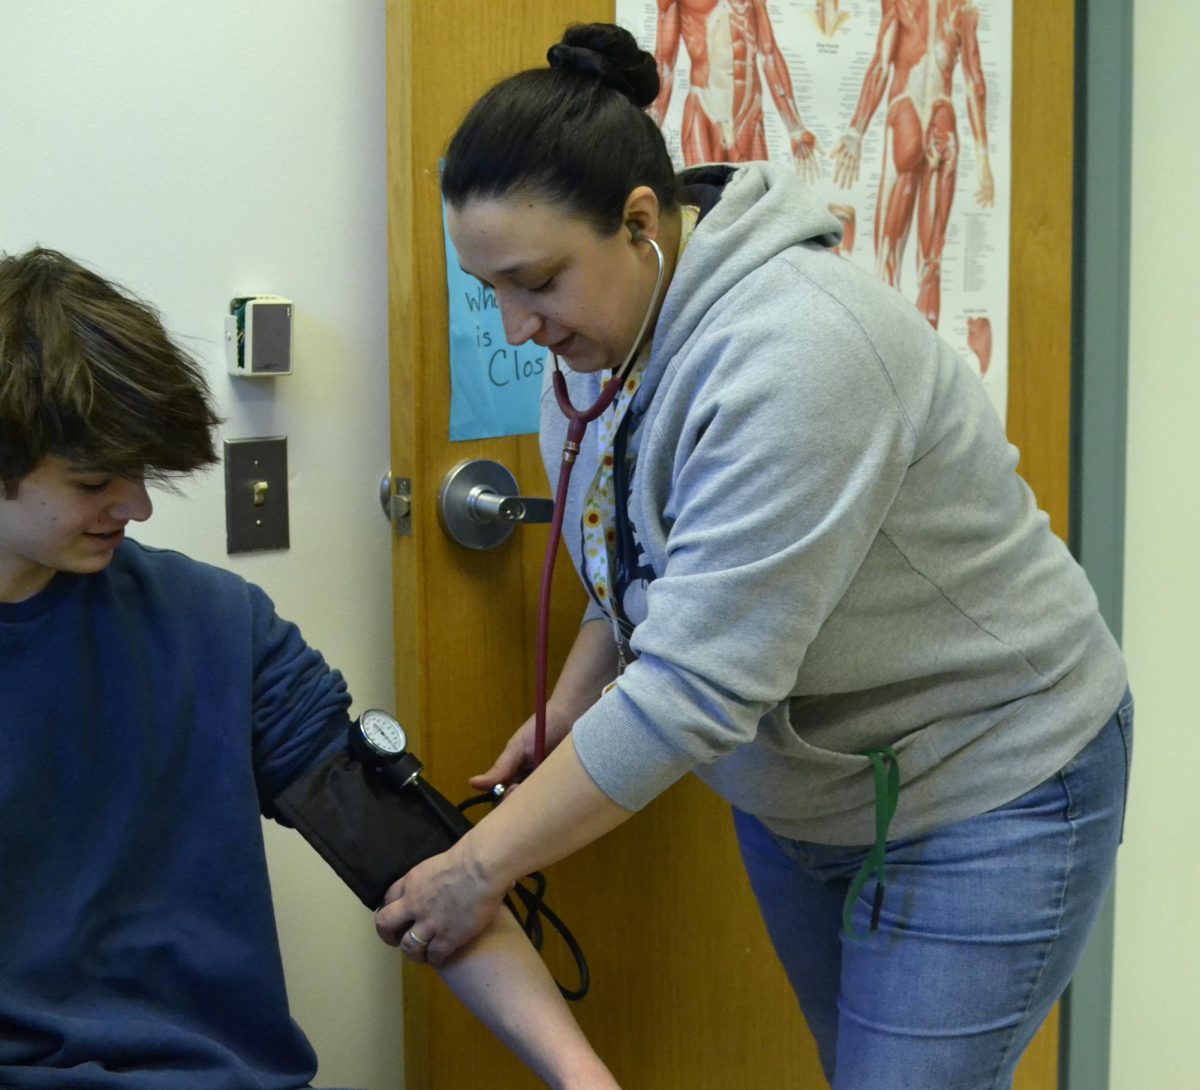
258, 336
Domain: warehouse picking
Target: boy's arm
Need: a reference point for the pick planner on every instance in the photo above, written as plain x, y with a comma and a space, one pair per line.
499, 977
368, 832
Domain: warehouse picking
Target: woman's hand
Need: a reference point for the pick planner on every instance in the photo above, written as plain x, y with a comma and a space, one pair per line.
438, 906
591, 664
444, 902
516, 759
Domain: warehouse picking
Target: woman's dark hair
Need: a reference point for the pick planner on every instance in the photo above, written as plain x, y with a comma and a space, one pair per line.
88, 373
575, 133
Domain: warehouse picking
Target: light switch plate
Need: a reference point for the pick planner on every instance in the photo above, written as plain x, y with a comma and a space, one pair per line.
256, 470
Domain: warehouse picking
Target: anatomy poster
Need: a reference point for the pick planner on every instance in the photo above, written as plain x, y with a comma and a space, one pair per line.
896, 111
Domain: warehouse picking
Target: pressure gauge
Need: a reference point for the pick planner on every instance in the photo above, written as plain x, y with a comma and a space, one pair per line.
382, 734
379, 741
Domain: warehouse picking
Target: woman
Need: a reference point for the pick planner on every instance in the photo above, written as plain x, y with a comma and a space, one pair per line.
812, 565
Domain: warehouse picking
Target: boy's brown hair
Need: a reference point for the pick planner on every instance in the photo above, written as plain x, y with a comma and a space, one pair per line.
88, 374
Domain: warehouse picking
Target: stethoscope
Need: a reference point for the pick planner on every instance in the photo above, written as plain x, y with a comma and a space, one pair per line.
577, 422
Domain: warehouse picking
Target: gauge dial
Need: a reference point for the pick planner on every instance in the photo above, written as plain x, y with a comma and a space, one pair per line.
383, 733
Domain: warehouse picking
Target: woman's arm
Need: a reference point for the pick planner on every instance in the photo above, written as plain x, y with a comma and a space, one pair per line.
450, 898
498, 975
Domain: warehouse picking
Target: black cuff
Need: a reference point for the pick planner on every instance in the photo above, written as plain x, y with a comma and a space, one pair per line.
369, 833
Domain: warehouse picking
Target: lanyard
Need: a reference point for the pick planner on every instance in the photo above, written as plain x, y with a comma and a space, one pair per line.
577, 422
608, 550
601, 520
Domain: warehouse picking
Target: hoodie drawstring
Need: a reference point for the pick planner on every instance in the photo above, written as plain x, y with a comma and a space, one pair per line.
886, 767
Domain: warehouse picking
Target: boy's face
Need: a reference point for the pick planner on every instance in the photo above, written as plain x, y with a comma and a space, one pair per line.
64, 517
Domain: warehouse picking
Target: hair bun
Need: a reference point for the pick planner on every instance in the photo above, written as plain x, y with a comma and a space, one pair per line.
610, 54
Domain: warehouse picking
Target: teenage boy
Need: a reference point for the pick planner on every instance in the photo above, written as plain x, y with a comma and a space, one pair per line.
151, 707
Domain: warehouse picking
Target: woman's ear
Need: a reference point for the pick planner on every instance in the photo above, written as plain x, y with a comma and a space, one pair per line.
641, 216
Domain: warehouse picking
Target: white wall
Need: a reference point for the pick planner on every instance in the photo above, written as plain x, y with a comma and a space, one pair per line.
197, 151
1157, 964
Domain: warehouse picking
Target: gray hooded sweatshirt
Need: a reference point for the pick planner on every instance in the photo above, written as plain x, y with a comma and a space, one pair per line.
841, 553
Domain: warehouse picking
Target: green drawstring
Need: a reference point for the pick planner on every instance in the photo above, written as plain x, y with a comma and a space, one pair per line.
886, 766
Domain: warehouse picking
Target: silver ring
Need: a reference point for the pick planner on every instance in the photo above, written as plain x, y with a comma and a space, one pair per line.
417, 938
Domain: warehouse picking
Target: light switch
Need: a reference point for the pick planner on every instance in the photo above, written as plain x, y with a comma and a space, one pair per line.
256, 494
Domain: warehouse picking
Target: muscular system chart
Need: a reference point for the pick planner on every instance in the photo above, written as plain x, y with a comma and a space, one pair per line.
897, 112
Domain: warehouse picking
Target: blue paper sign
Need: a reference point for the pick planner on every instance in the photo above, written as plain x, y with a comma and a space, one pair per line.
494, 387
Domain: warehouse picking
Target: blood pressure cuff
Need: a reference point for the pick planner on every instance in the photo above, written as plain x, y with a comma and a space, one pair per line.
368, 831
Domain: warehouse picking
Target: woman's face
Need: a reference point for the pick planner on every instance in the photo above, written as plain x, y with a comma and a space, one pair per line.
558, 281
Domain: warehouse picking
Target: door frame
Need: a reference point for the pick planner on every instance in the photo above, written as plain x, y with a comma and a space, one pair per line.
1099, 385
1090, 429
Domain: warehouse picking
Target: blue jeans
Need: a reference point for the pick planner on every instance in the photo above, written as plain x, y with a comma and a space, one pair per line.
983, 924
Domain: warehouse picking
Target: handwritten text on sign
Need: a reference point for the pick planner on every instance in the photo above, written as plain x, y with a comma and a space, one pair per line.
494, 386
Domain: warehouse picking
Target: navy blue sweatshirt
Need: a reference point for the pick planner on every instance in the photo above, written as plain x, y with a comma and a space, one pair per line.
148, 714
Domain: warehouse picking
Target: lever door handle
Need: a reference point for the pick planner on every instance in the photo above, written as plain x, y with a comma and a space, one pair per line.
479, 504
485, 505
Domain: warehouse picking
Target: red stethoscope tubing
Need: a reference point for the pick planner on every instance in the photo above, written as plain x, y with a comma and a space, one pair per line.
577, 422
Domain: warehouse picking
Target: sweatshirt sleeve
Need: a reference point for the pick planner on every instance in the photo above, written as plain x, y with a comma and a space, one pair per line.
299, 703
767, 473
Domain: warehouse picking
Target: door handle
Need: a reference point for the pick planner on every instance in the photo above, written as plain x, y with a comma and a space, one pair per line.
479, 505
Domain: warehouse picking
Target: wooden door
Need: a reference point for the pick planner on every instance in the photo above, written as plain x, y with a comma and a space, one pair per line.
685, 989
